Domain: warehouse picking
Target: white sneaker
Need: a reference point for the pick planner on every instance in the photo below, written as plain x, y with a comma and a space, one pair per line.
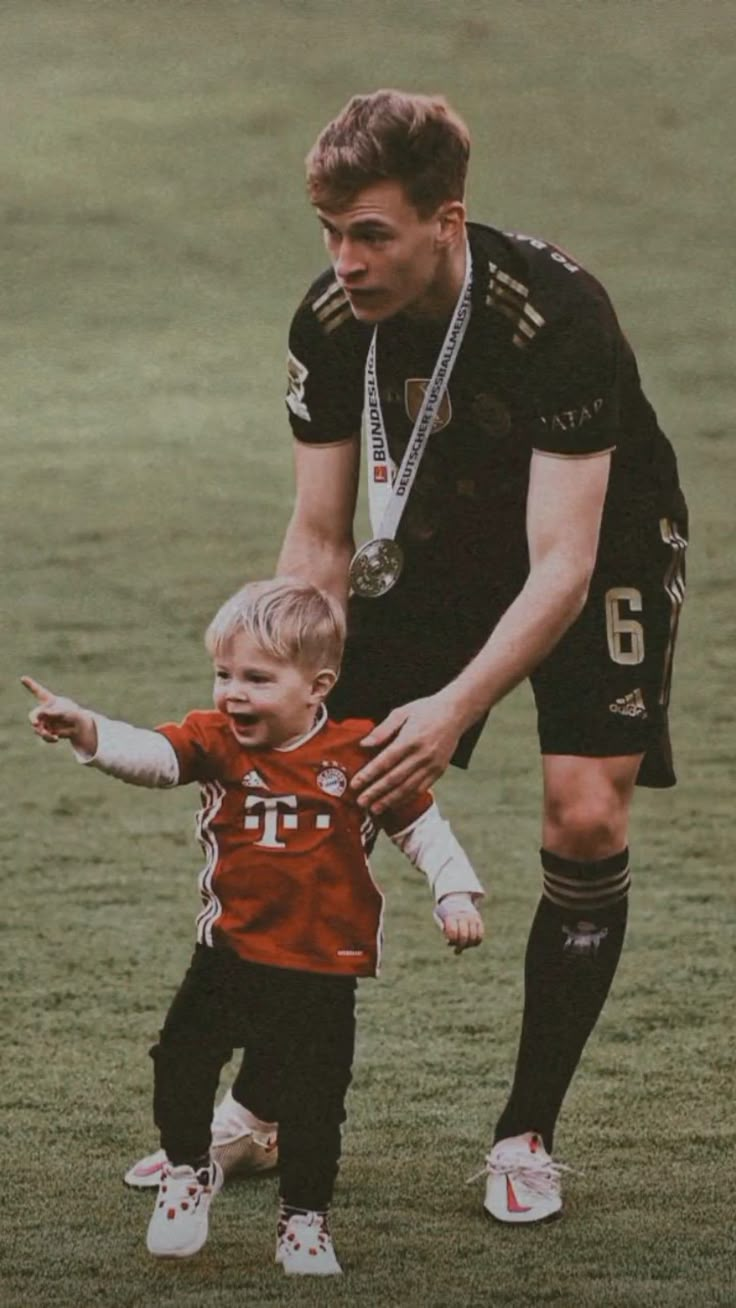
146, 1173
179, 1222
523, 1182
235, 1146
304, 1246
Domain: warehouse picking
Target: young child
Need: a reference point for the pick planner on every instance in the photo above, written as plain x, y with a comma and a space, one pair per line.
290, 914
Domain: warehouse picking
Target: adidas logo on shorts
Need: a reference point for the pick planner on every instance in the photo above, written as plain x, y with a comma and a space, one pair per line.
630, 706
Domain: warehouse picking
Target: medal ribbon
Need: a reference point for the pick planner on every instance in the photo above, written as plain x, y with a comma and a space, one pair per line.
387, 498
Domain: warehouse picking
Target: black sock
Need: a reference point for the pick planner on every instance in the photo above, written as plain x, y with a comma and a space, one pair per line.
571, 959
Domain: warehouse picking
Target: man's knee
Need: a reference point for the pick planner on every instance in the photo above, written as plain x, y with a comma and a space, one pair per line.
586, 806
583, 826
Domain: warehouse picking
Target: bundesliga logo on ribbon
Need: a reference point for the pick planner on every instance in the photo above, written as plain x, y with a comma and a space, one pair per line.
380, 472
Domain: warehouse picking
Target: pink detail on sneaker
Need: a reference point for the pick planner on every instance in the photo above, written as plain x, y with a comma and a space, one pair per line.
512, 1203
150, 1170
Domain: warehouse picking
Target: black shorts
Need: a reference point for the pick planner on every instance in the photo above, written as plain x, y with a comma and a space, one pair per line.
603, 691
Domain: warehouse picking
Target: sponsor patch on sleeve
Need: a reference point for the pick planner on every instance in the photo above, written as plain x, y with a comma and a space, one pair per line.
297, 375
573, 419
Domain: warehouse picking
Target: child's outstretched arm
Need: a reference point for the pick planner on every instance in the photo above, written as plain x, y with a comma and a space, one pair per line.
56, 718
430, 844
132, 754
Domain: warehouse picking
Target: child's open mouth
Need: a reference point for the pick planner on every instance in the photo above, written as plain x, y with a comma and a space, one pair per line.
244, 720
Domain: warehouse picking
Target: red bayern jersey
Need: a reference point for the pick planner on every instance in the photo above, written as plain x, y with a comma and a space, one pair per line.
287, 880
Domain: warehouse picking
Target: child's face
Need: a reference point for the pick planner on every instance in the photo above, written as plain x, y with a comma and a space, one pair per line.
267, 700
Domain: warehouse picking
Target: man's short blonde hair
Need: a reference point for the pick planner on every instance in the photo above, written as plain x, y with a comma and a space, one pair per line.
417, 140
289, 619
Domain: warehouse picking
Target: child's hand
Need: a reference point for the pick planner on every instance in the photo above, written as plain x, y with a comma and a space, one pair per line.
461, 922
55, 718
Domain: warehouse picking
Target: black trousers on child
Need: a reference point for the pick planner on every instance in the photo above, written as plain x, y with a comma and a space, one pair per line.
298, 1033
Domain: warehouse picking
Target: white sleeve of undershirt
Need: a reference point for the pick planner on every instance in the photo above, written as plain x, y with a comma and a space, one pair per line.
429, 843
133, 754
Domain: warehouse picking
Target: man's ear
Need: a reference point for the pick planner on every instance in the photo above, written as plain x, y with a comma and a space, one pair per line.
322, 683
451, 222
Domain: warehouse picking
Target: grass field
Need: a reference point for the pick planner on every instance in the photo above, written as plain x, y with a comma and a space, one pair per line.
155, 241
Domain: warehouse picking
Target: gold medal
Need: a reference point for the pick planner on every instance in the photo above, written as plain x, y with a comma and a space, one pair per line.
376, 567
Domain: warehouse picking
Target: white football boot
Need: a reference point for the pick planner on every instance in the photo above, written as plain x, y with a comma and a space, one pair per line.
240, 1147
180, 1220
304, 1245
236, 1146
523, 1182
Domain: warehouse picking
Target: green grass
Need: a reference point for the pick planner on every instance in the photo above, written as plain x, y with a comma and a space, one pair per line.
154, 243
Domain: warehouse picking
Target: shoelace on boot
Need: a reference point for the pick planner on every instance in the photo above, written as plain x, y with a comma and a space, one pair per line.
183, 1191
539, 1174
310, 1226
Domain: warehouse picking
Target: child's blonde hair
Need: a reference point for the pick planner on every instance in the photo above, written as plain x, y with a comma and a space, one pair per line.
288, 618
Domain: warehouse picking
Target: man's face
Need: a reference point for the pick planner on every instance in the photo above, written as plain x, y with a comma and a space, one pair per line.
268, 701
385, 256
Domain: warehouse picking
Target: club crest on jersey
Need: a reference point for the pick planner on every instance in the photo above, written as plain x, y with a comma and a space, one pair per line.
332, 779
414, 391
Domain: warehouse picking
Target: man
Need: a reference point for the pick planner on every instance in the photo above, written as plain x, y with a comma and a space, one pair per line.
528, 522
543, 537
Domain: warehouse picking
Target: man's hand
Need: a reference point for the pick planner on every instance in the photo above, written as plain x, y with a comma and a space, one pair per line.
55, 718
461, 922
420, 739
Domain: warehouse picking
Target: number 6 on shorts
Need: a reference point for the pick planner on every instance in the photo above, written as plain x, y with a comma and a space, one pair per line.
625, 635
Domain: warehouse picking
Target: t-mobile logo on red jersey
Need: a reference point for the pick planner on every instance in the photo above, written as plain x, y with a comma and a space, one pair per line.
271, 814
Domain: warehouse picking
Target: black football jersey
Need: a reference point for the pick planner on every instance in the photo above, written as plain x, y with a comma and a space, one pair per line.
544, 366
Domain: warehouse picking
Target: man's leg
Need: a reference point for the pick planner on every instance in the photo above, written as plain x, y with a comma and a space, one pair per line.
572, 953
602, 697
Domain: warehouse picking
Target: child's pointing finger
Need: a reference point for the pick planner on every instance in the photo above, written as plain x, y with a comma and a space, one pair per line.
43, 695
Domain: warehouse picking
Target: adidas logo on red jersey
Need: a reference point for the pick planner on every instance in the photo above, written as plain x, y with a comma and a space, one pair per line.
254, 781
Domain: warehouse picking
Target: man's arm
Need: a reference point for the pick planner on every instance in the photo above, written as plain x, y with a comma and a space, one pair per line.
318, 544
564, 510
